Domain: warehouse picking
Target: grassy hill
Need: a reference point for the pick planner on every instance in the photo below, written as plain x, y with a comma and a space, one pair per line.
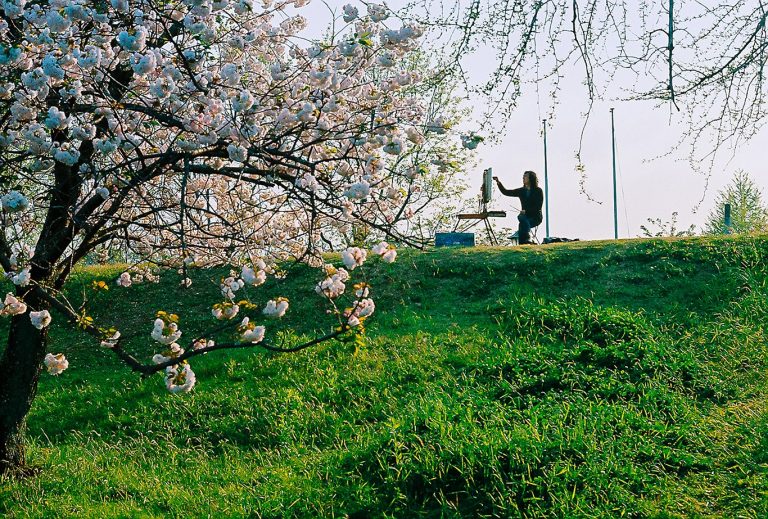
599, 379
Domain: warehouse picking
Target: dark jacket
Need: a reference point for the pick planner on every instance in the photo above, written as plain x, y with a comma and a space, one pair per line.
531, 199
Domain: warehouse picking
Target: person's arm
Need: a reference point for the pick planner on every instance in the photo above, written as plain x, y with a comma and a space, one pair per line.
505, 191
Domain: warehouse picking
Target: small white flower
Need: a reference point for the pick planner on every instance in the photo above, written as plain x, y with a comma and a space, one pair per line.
12, 306
389, 256
124, 280
393, 193
68, 156
162, 88
230, 74
308, 182
386, 251
306, 113
159, 359
55, 364
393, 147
106, 146
348, 48
13, 202
358, 191
22, 253
51, 67
413, 135
386, 60
353, 257
364, 307
144, 64
237, 153
377, 12
21, 279
91, 58
252, 277
250, 332
332, 287
276, 308
243, 101
111, 342
225, 311
353, 320
56, 120
165, 334
40, 319
133, 42
120, 5
13, 8
350, 13
199, 344
35, 80
229, 286
180, 380
381, 248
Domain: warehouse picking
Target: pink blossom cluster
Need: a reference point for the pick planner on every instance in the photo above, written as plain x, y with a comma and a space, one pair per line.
13, 306
55, 364
333, 285
386, 251
179, 378
276, 307
250, 332
361, 309
40, 319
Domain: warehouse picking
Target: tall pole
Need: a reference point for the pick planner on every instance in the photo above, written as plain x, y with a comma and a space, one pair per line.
615, 208
546, 177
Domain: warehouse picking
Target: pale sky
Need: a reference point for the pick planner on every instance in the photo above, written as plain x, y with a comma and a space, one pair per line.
648, 187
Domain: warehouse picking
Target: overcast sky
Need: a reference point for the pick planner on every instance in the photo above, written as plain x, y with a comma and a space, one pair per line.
648, 187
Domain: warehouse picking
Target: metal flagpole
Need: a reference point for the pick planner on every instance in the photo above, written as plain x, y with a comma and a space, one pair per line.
615, 208
546, 177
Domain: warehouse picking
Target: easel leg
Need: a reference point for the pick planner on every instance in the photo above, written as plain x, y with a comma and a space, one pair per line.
491, 234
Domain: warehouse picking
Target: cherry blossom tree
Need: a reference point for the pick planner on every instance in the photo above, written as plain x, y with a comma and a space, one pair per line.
192, 133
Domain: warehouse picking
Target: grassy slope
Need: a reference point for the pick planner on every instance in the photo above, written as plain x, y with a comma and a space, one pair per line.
578, 380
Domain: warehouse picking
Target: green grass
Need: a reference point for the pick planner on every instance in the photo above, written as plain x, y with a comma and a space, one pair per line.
601, 379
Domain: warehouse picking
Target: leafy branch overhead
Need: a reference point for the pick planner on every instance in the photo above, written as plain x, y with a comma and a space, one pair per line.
706, 59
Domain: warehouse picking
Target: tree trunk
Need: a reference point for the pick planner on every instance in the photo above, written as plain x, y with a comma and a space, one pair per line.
20, 368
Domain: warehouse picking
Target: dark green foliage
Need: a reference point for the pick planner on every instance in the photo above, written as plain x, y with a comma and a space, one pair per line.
748, 210
587, 380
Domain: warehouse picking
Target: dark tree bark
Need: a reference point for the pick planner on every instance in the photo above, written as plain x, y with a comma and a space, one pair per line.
22, 360
20, 368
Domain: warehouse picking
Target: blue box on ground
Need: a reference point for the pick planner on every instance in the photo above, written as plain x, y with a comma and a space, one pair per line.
460, 239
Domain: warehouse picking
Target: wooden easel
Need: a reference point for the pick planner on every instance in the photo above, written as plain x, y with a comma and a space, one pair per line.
483, 214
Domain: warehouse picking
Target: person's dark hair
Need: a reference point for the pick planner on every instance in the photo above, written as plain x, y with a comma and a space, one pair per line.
532, 178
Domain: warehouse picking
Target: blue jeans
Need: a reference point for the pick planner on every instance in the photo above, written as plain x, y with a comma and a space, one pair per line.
524, 228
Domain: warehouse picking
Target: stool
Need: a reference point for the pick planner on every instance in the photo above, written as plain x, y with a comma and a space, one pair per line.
534, 239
